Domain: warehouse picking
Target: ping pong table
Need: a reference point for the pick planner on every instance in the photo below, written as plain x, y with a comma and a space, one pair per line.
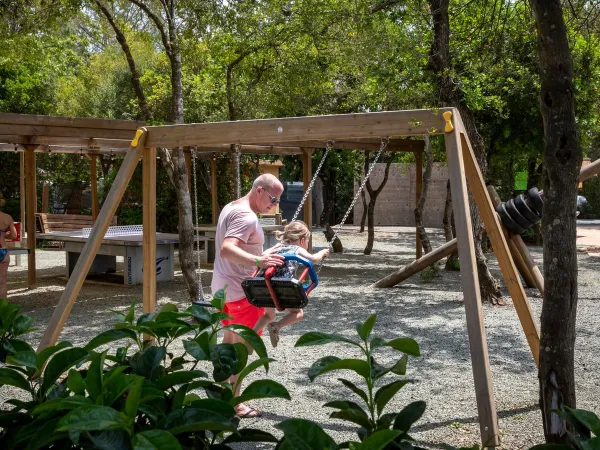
123, 241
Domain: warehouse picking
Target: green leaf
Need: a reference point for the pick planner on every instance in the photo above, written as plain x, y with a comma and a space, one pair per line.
201, 315
195, 419
387, 392
405, 345
111, 336
91, 418
354, 416
358, 391
218, 300
131, 312
251, 337
409, 415
250, 435
377, 342
302, 434
26, 359
380, 439
148, 361
10, 377
179, 377
587, 418
75, 382
215, 405
198, 348
330, 363
60, 363
155, 440
262, 389
378, 371
94, 378
22, 325
46, 353
253, 366
46, 435
318, 338
224, 358
60, 404
364, 329
133, 399
242, 352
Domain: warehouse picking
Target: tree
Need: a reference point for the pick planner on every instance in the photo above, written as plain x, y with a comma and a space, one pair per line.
562, 162
373, 193
421, 204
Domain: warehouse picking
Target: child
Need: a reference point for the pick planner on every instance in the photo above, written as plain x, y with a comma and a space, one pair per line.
294, 239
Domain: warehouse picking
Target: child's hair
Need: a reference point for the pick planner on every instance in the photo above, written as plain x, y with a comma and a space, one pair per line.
293, 232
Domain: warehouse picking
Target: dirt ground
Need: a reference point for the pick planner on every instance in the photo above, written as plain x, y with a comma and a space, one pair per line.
430, 311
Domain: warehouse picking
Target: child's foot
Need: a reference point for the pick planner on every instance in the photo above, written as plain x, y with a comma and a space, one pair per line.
273, 334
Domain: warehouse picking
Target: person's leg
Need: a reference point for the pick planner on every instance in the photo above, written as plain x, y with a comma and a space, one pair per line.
267, 318
4, 277
293, 316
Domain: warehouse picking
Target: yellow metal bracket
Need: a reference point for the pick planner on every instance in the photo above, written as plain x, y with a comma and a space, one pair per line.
448, 118
136, 139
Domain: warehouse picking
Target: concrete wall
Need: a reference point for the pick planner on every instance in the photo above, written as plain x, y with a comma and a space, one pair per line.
396, 203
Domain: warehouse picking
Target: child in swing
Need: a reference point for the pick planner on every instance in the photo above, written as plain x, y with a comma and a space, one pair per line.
295, 238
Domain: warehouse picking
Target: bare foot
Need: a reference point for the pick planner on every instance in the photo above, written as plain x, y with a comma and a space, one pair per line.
246, 412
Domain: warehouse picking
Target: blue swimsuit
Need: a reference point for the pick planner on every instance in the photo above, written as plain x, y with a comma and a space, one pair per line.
3, 251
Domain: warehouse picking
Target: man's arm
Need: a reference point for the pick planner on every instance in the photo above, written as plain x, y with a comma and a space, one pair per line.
232, 251
13, 230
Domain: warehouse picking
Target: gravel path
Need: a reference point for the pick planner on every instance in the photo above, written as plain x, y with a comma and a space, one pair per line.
430, 312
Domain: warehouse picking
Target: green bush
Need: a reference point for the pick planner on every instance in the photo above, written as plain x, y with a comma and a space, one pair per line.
585, 434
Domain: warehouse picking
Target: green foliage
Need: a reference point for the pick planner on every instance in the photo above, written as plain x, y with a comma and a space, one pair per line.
430, 273
138, 395
585, 432
376, 429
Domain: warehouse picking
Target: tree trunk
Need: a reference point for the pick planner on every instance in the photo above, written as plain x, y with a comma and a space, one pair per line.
449, 232
329, 179
421, 205
317, 196
441, 66
562, 163
363, 219
373, 193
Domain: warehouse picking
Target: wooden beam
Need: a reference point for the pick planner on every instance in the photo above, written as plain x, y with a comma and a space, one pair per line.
45, 197
260, 149
417, 265
72, 122
94, 185
149, 229
88, 253
40, 130
505, 261
395, 145
486, 404
214, 190
418, 192
343, 126
30, 206
590, 170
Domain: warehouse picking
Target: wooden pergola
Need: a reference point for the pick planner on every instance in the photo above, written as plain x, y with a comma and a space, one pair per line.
300, 134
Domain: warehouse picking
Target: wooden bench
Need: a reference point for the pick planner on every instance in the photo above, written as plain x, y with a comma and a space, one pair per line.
51, 223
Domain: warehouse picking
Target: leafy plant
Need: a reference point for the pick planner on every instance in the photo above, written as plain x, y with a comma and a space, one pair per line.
140, 395
12, 325
377, 430
585, 434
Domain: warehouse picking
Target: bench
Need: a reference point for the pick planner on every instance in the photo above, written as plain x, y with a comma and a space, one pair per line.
51, 223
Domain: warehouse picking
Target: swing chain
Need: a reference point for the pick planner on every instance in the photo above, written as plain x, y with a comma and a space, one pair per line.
328, 147
238, 162
384, 143
196, 232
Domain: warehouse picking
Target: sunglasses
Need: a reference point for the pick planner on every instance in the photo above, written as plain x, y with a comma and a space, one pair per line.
273, 199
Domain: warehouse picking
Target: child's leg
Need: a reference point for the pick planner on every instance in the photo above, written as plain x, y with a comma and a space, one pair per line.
268, 317
293, 316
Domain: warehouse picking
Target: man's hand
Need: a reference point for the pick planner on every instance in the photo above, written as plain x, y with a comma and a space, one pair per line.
269, 258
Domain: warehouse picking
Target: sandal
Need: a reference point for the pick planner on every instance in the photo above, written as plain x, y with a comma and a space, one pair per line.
273, 334
251, 413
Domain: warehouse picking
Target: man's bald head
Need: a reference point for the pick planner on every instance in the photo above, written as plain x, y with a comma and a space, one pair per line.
269, 182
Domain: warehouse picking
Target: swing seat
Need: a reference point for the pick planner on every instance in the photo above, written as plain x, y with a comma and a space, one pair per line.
280, 292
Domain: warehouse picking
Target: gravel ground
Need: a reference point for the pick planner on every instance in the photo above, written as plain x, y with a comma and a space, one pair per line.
430, 312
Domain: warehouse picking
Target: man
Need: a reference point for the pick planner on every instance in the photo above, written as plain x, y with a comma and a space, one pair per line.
239, 243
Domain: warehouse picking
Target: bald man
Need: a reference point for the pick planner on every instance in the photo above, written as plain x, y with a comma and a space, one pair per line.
239, 243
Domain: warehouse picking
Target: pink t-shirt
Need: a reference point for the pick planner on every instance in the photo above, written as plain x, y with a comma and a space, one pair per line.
236, 220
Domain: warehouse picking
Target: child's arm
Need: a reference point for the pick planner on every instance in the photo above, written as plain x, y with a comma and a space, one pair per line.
316, 258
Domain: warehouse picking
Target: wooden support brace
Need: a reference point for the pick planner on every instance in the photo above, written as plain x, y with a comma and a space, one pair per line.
486, 404
88, 253
419, 191
214, 190
496, 235
94, 185
149, 230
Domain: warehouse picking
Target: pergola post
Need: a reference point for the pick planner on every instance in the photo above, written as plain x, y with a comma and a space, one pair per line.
482, 375
214, 189
149, 228
94, 186
30, 206
306, 178
418, 192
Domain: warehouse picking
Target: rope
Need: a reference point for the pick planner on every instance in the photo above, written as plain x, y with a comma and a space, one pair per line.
238, 160
328, 147
384, 143
196, 232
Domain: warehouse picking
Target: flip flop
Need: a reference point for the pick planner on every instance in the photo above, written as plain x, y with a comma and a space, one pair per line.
250, 414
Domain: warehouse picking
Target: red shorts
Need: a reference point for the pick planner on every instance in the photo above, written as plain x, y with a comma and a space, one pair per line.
243, 313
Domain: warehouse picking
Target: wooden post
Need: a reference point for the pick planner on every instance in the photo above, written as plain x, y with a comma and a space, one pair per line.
30, 206
22, 193
88, 253
306, 178
418, 192
94, 186
496, 235
188, 164
149, 229
486, 404
214, 190
45, 197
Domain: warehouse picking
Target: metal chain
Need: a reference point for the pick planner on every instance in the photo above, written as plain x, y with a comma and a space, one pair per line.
196, 232
238, 160
384, 143
328, 148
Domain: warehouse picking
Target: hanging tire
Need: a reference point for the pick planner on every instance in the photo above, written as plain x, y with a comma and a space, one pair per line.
508, 221
525, 210
536, 200
516, 215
